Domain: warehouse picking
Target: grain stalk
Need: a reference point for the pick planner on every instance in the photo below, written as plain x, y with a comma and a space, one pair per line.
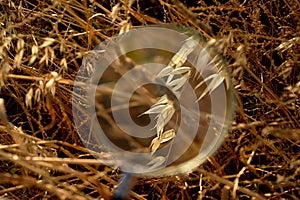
177, 75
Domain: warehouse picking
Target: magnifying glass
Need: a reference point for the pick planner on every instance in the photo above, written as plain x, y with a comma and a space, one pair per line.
158, 100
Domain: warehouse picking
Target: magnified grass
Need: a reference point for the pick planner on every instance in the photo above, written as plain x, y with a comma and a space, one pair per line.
41, 154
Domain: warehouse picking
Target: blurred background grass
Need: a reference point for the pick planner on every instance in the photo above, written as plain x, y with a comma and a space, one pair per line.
42, 44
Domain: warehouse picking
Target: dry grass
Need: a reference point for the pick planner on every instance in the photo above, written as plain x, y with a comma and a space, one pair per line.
42, 44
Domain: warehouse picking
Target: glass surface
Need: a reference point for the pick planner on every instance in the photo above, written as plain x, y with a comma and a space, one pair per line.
158, 100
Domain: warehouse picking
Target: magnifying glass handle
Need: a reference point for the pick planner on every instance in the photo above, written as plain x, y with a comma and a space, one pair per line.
124, 187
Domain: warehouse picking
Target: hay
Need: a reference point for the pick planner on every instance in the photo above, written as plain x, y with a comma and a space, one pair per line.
42, 44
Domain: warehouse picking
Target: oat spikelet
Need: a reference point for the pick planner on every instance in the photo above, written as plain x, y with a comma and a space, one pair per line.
47, 42
175, 84
28, 98
164, 109
114, 12
181, 56
215, 81
162, 138
50, 84
156, 162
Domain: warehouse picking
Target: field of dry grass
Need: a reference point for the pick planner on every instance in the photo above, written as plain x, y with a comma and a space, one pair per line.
42, 44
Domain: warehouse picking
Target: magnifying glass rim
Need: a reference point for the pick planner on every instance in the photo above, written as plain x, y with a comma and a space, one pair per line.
201, 158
